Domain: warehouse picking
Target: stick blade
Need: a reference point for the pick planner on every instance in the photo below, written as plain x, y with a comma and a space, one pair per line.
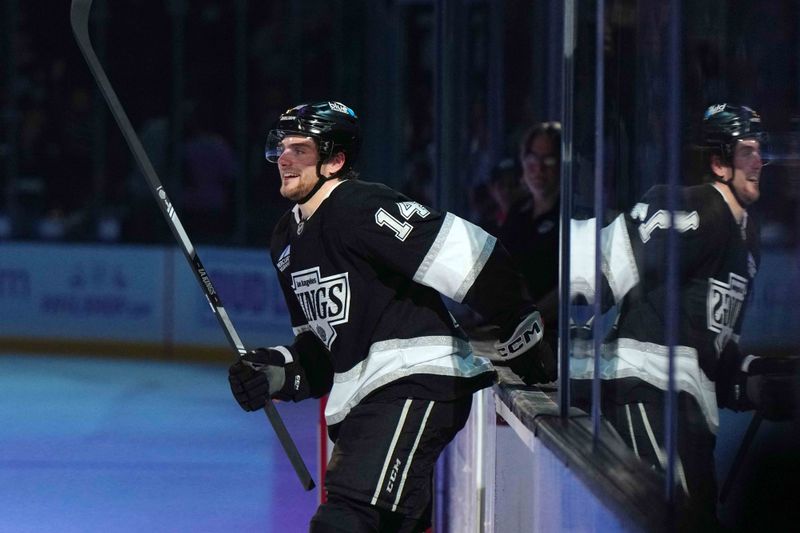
79, 17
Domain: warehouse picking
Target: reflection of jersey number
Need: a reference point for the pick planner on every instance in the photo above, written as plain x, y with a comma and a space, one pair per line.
661, 220
400, 228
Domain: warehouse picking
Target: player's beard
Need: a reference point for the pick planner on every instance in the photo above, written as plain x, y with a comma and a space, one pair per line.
296, 188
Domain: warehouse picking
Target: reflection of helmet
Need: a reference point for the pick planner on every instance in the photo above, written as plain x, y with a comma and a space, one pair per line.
333, 126
724, 124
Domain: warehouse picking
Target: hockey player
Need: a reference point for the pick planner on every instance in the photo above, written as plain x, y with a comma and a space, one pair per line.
718, 260
362, 268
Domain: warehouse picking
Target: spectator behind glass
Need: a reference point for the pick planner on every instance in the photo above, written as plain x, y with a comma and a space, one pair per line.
505, 187
209, 171
530, 230
490, 201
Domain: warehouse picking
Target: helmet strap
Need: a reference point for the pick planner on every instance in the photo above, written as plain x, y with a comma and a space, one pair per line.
729, 183
320, 182
726, 157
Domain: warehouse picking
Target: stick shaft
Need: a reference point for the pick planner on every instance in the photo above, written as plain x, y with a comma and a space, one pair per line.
79, 18
747, 440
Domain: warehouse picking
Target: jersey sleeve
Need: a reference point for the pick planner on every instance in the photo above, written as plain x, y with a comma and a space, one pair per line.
439, 250
634, 245
698, 230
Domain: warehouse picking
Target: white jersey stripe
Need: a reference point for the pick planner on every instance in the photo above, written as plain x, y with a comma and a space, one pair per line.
650, 362
682, 475
411, 454
476, 269
661, 454
653, 359
390, 452
287, 355
618, 262
662, 460
630, 430
455, 258
394, 359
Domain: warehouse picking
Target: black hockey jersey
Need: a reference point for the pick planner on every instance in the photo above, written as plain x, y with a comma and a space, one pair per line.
364, 275
718, 259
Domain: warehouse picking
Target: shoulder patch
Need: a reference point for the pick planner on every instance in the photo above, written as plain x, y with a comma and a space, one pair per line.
283, 260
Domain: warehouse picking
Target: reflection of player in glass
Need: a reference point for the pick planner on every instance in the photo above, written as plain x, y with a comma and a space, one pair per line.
718, 260
362, 268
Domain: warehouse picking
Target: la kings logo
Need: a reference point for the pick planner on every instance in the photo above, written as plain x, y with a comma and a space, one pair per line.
325, 301
723, 306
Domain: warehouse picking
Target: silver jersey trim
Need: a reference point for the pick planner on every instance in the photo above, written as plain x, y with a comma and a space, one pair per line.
456, 257
617, 260
649, 362
391, 360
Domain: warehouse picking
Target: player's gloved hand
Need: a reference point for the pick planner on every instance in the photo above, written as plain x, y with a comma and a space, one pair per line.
766, 384
731, 379
267, 373
771, 385
526, 352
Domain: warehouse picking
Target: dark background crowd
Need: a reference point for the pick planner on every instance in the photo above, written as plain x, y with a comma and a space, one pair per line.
203, 80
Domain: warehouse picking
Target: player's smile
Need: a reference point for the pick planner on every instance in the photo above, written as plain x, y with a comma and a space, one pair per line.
289, 175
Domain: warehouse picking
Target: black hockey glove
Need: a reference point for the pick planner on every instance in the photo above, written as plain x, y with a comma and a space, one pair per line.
731, 381
526, 352
771, 385
265, 373
767, 384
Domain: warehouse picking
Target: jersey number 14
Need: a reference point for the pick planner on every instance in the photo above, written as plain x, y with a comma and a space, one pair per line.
401, 229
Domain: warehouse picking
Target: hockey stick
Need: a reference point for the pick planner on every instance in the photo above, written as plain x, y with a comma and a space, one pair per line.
79, 18
747, 440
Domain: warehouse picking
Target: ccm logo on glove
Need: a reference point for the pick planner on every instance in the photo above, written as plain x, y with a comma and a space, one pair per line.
528, 333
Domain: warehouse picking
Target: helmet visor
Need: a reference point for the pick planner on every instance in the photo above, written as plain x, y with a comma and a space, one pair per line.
274, 147
277, 144
782, 149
